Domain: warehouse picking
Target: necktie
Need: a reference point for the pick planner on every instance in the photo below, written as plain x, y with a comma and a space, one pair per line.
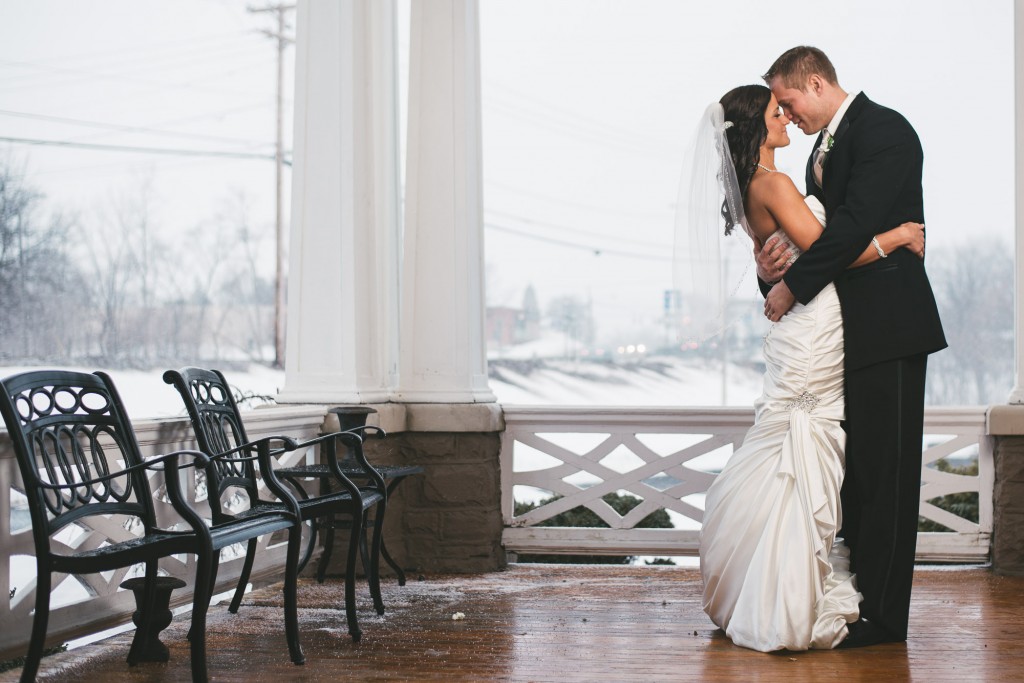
820, 156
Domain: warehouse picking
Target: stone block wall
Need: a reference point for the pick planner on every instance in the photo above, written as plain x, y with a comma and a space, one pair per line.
1006, 427
451, 515
447, 519
1008, 507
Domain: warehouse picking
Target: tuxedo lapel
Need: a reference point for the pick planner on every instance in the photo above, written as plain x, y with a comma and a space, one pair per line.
843, 126
812, 187
854, 110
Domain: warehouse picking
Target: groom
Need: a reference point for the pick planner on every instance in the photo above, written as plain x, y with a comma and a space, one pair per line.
866, 170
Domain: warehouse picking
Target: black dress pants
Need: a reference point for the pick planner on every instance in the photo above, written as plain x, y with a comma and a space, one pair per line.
882, 488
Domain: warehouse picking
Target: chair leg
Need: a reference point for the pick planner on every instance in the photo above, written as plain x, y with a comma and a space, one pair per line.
39, 622
374, 573
243, 578
291, 607
206, 572
350, 575
364, 550
399, 572
325, 557
311, 524
211, 571
307, 551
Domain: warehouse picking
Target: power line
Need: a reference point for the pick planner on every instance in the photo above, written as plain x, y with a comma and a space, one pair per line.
578, 231
596, 251
576, 119
118, 55
544, 114
128, 64
131, 129
76, 74
143, 150
219, 114
589, 207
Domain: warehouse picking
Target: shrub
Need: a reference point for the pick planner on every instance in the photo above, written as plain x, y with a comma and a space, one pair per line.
584, 517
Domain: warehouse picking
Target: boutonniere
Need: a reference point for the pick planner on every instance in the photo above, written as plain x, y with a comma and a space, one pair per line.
825, 146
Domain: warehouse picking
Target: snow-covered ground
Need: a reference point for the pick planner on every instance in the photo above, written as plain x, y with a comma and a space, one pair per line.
651, 381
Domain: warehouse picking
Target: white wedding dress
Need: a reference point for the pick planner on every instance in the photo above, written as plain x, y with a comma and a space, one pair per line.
775, 576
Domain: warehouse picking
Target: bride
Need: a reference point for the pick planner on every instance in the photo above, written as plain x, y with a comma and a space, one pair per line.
775, 575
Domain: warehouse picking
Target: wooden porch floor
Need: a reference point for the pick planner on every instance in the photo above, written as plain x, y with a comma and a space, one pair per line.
569, 623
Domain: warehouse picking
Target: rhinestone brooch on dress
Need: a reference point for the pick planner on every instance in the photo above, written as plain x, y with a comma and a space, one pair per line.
805, 402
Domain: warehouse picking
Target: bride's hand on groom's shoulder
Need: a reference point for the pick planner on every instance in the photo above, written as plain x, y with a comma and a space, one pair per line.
772, 258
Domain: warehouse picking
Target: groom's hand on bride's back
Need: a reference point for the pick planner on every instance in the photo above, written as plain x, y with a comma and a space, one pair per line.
772, 259
915, 238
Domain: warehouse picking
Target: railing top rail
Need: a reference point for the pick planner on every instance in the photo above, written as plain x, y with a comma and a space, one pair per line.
955, 418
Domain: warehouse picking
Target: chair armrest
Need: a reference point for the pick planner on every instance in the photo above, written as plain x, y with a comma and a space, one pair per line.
357, 452
348, 437
289, 445
356, 443
264, 455
177, 497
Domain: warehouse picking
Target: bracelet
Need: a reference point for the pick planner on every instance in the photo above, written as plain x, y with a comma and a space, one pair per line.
878, 247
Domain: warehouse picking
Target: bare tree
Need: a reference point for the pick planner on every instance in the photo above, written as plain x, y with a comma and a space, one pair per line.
247, 297
124, 261
189, 297
39, 285
974, 288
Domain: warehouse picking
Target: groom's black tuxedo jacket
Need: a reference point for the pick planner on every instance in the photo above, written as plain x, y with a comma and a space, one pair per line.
872, 182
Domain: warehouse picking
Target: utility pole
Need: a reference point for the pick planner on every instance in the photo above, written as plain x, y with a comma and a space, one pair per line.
279, 291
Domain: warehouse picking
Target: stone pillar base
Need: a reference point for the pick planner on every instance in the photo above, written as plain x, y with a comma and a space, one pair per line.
447, 519
1006, 425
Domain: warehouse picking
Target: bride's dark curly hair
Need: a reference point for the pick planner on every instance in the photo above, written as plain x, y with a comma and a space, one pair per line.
744, 107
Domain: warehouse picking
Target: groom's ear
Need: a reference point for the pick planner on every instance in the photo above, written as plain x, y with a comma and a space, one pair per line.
816, 84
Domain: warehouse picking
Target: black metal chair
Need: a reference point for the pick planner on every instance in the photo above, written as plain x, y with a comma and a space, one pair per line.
79, 459
220, 431
350, 419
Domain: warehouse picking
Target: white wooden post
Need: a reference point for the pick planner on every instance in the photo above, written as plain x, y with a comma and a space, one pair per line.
442, 357
342, 342
1017, 394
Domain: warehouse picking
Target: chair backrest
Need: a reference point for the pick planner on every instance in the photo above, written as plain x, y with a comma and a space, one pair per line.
69, 427
218, 427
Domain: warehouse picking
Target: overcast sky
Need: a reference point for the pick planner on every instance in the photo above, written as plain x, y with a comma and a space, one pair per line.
589, 106
587, 109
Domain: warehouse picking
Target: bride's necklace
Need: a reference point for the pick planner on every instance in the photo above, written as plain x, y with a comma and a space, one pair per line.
770, 170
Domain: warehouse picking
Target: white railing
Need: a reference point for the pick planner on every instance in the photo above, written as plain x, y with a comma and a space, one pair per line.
667, 457
89, 603
559, 459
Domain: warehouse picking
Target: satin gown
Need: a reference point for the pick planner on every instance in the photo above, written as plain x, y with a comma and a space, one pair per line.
775, 575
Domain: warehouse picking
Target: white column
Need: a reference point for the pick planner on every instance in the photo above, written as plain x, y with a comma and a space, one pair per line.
342, 344
442, 356
1017, 394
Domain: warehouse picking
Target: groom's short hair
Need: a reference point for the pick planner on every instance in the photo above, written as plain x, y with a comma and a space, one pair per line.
798, 64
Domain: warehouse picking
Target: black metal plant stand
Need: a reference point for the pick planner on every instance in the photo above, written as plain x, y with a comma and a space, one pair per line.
146, 646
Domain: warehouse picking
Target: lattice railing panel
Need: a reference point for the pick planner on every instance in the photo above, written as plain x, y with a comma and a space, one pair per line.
668, 459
